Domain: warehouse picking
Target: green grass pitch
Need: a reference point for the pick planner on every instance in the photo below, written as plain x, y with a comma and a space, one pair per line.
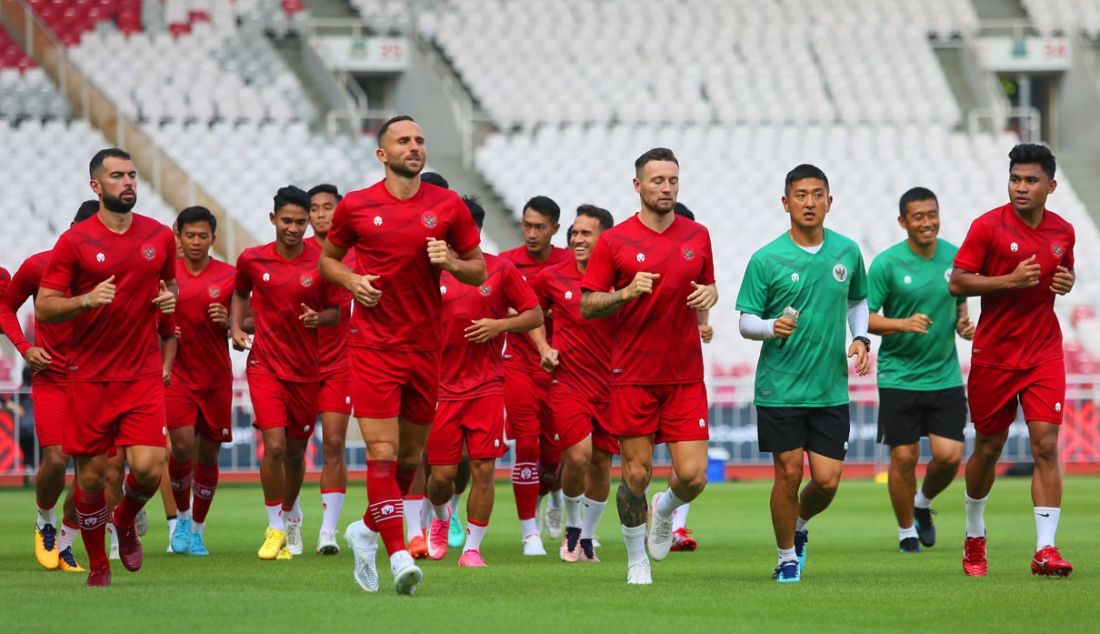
855, 580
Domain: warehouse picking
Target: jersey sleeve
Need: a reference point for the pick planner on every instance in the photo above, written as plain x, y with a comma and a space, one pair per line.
706, 275
857, 288
517, 292
878, 284
752, 298
600, 274
342, 233
168, 270
59, 273
463, 234
243, 283
972, 253
540, 286
11, 299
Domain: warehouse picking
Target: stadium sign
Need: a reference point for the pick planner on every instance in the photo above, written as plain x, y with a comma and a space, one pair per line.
367, 54
1008, 54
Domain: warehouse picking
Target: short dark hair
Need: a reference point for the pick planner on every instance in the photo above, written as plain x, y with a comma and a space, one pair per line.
97, 161
325, 188
1025, 153
913, 195
434, 178
392, 120
545, 206
87, 209
680, 209
191, 215
476, 210
592, 211
802, 172
656, 154
291, 195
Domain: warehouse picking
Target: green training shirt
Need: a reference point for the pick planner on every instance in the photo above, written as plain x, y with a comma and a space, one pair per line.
904, 283
811, 369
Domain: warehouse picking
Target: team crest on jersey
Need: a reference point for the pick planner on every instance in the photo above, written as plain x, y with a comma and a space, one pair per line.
148, 252
688, 253
907, 279
1014, 247
429, 219
306, 279
442, 290
99, 257
840, 272
266, 277
640, 258
213, 291
377, 221
485, 290
794, 277
1057, 250
568, 295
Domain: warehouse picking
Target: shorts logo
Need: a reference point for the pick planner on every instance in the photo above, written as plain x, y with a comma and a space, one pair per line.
442, 290
568, 295
307, 427
213, 291
1057, 250
1014, 247
689, 253
702, 422
266, 277
148, 252
845, 445
840, 272
163, 431
556, 437
387, 509
947, 275
99, 257
1058, 407
640, 257
225, 432
496, 443
429, 220
907, 279
306, 279
378, 221
794, 277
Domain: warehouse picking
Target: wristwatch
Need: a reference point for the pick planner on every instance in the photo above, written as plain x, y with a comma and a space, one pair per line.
866, 343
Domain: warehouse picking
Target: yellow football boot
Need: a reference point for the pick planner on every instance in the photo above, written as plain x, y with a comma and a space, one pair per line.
274, 541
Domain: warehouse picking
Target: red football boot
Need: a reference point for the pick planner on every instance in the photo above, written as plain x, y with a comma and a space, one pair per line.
99, 577
1048, 562
974, 561
682, 540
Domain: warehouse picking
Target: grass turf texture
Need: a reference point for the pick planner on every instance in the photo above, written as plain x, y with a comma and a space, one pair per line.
855, 579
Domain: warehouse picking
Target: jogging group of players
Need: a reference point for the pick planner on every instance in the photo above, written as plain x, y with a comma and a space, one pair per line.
391, 311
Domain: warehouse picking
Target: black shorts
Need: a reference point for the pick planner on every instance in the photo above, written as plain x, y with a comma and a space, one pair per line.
822, 430
906, 415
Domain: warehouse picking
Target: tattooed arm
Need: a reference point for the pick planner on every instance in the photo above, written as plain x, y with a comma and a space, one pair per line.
595, 304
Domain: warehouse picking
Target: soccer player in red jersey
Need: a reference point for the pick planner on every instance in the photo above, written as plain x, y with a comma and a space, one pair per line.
404, 233
652, 274
471, 393
47, 359
104, 277
1017, 257
527, 387
580, 396
199, 397
334, 400
289, 300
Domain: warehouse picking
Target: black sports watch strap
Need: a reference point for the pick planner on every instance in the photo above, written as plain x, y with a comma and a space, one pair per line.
866, 342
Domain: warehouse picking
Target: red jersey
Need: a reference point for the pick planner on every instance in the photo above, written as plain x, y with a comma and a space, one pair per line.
583, 345
53, 338
390, 239
473, 370
656, 336
202, 359
520, 353
334, 340
118, 341
1017, 329
278, 288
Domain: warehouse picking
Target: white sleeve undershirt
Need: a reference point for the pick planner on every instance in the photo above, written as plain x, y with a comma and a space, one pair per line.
755, 328
859, 315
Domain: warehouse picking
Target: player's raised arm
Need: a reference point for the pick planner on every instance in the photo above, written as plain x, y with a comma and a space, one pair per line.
468, 268
334, 270
967, 284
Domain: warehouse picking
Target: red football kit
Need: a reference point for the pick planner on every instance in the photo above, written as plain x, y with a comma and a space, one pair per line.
1017, 355
580, 396
335, 394
284, 368
116, 395
201, 392
395, 346
471, 385
657, 360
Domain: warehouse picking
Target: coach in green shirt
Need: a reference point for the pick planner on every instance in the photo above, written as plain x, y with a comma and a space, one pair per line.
920, 385
797, 293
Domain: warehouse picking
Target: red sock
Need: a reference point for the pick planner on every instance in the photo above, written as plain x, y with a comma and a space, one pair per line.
91, 513
548, 472
134, 497
405, 479
525, 477
179, 474
206, 482
385, 512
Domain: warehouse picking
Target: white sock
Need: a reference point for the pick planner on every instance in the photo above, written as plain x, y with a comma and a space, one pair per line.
667, 502
593, 511
1046, 525
295, 514
456, 501
275, 516
413, 525
474, 535
573, 511
65, 536
198, 527
975, 516
331, 505
425, 512
556, 499
183, 515
529, 527
634, 536
441, 511
172, 525
787, 554
680, 516
906, 532
46, 516
800, 525
112, 534
921, 502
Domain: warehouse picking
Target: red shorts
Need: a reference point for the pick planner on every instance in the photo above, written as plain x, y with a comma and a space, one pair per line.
576, 417
673, 412
51, 408
278, 403
477, 421
210, 412
112, 414
392, 384
335, 393
995, 393
527, 403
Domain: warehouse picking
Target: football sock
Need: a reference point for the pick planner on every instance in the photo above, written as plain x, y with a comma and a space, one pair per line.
46, 516
92, 513
475, 532
110, 528
385, 507
456, 501
593, 511
171, 526
573, 511
787, 554
680, 517
906, 532
203, 488
529, 527
1046, 525
634, 536
179, 475
525, 478
667, 502
441, 511
975, 516
275, 514
411, 510
920, 501
134, 497
332, 502
67, 535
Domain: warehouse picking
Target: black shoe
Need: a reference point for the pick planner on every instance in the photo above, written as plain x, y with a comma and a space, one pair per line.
909, 545
926, 530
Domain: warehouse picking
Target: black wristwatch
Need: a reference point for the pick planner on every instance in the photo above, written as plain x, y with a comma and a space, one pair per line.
866, 343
